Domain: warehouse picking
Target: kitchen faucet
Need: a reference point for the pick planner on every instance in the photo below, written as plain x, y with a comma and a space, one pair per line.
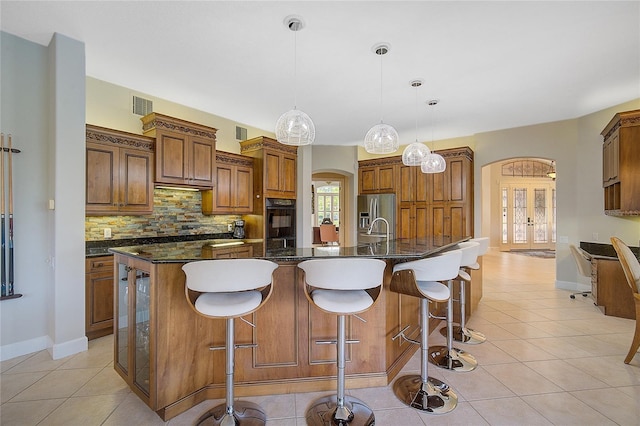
373, 223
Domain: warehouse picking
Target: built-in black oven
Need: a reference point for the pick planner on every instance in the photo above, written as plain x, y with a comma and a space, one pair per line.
280, 223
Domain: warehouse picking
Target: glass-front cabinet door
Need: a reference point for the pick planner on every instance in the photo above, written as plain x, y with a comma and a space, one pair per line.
132, 336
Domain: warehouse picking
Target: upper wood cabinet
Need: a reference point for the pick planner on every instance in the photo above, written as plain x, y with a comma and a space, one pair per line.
119, 170
456, 182
620, 164
378, 176
233, 193
275, 167
185, 151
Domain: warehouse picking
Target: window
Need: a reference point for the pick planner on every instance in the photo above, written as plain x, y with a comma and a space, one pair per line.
328, 203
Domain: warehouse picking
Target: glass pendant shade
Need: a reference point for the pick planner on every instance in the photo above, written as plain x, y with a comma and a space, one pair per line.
415, 154
381, 139
295, 127
434, 163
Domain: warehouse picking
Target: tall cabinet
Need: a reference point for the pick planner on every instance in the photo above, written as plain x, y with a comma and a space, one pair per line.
620, 164
436, 205
274, 176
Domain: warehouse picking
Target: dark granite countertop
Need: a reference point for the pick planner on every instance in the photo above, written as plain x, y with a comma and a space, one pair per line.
604, 251
189, 251
101, 247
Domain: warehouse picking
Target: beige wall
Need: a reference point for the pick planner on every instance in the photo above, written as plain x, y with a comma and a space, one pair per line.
109, 105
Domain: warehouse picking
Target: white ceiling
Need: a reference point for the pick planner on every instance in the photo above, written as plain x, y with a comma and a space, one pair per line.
492, 65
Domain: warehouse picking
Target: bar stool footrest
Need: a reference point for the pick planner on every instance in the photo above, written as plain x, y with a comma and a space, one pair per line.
465, 335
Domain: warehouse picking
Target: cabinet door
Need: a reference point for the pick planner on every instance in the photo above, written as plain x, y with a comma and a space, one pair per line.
407, 188
103, 164
136, 187
243, 190
368, 181
223, 193
99, 297
288, 176
272, 173
386, 178
201, 162
171, 161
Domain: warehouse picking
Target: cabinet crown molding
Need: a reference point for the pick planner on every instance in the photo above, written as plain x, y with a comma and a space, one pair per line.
233, 159
156, 121
622, 119
397, 159
115, 137
265, 142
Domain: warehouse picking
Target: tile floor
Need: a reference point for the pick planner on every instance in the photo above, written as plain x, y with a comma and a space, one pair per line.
549, 360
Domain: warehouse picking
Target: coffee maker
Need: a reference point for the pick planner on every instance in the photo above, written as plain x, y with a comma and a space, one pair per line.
238, 228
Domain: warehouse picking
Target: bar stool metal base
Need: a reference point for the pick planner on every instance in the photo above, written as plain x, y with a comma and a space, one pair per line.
434, 397
465, 335
457, 360
322, 412
244, 413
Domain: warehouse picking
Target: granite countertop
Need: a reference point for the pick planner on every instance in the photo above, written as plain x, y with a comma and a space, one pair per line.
604, 251
101, 247
189, 251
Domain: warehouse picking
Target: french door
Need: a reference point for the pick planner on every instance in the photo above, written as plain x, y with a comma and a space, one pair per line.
528, 216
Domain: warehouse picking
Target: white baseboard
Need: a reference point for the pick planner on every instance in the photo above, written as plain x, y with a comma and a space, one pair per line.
38, 344
23, 348
71, 347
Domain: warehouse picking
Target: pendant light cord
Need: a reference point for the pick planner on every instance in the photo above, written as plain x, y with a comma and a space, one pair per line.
295, 70
381, 55
416, 112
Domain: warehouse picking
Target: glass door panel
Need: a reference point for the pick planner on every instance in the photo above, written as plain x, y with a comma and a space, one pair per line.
141, 338
122, 319
528, 216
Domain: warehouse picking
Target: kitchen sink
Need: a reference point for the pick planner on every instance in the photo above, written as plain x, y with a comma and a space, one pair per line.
374, 237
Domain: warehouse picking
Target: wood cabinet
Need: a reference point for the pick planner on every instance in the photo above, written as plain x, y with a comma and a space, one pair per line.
233, 193
119, 172
378, 176
438, 205
609, 288
620, 164
275, 167
185, 151
98, 296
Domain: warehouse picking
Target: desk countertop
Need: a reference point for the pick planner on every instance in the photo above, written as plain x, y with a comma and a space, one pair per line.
604, 251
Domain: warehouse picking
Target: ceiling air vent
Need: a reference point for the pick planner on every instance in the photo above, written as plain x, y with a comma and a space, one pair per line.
241, 133
142, 106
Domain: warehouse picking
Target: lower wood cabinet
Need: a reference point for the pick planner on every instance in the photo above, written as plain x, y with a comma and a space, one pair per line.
610, 290
98, 296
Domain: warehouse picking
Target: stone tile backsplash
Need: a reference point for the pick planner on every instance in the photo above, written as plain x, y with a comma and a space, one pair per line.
175, 212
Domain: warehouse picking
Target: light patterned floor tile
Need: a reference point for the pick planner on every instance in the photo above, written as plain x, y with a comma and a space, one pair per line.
463, 415
28, 413
509, 412
521, 379
565, 375
612, 403
565, 409
57, 384
13, 384
523, 350
85, 411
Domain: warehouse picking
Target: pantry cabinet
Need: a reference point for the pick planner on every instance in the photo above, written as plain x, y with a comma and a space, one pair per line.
620, 164
185, 151
438, 205
119, 172
233, 193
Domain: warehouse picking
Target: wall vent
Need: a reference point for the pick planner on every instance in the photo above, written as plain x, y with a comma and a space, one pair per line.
241, 133
142, 106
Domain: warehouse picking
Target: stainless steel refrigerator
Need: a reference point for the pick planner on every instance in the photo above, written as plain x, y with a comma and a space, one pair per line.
371, 207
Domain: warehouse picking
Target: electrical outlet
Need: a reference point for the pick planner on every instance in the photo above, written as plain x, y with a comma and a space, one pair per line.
230, 227
107, 232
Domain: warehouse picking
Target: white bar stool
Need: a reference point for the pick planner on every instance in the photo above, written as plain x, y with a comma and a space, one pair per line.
342, 286
449, 357
420, 278
229, 289
460, 332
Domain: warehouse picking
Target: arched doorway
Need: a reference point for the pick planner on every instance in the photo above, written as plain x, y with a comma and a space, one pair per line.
328, 202
521, 210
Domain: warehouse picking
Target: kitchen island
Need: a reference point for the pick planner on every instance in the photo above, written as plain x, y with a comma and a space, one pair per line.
162, 346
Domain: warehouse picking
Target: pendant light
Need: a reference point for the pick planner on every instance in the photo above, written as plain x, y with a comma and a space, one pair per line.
295, 127
434, 163
415, 153
381, 138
